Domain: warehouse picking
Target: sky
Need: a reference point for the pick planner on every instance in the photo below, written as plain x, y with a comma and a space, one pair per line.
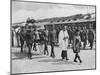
22, 10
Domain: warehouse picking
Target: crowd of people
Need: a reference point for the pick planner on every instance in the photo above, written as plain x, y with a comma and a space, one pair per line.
68, 37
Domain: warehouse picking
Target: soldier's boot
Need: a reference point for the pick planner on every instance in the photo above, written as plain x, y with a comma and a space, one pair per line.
21, 50
79, 59
63, 58
75, 58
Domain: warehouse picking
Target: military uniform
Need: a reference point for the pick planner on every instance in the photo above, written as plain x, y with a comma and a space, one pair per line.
46, 42
29, 42
52, 42
91, 38
22, 39
84, 37
76, 46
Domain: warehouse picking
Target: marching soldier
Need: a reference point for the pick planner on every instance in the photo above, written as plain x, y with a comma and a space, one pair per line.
90, 37
76, 46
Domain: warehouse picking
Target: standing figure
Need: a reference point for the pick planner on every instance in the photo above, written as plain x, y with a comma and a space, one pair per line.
36, 42
52, 41
84, 37
90, 37
12, 38
29, 42
76, 46
41, 35
17, 36
22, 38
63, 42
70, 33
34, 37
46, 42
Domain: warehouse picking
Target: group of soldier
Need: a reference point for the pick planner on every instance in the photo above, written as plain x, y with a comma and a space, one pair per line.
68, 37
87, 35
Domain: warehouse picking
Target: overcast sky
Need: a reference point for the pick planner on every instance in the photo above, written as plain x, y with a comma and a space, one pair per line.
22, 10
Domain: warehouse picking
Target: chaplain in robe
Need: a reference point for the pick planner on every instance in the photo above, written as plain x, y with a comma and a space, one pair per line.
63, 42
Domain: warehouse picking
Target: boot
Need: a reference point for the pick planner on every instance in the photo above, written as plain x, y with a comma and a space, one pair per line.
75, 60
79, 59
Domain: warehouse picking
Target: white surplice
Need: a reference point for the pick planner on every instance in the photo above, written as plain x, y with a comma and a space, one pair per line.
63, 44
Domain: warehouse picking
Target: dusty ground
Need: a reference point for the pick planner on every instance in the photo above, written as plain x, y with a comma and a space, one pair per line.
43, 63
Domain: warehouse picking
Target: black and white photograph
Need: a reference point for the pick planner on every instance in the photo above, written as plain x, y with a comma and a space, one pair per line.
52, 37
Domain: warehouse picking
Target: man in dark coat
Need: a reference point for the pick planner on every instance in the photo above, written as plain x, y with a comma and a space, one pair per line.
46, 42
76, 46
90, 37
83, 35
52, 41
29, 41
70, 32
22, 38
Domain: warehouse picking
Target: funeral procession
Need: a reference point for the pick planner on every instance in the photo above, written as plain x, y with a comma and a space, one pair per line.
53, 44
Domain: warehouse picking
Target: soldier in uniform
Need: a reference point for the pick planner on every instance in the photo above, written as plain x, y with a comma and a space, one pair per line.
70, 32
84, 37
90, 37
46, 42
52, 41
76, 46
29, 41
22, 38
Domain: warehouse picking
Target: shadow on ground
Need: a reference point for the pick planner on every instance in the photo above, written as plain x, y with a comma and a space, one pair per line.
18, 55
59, 62
50, 60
